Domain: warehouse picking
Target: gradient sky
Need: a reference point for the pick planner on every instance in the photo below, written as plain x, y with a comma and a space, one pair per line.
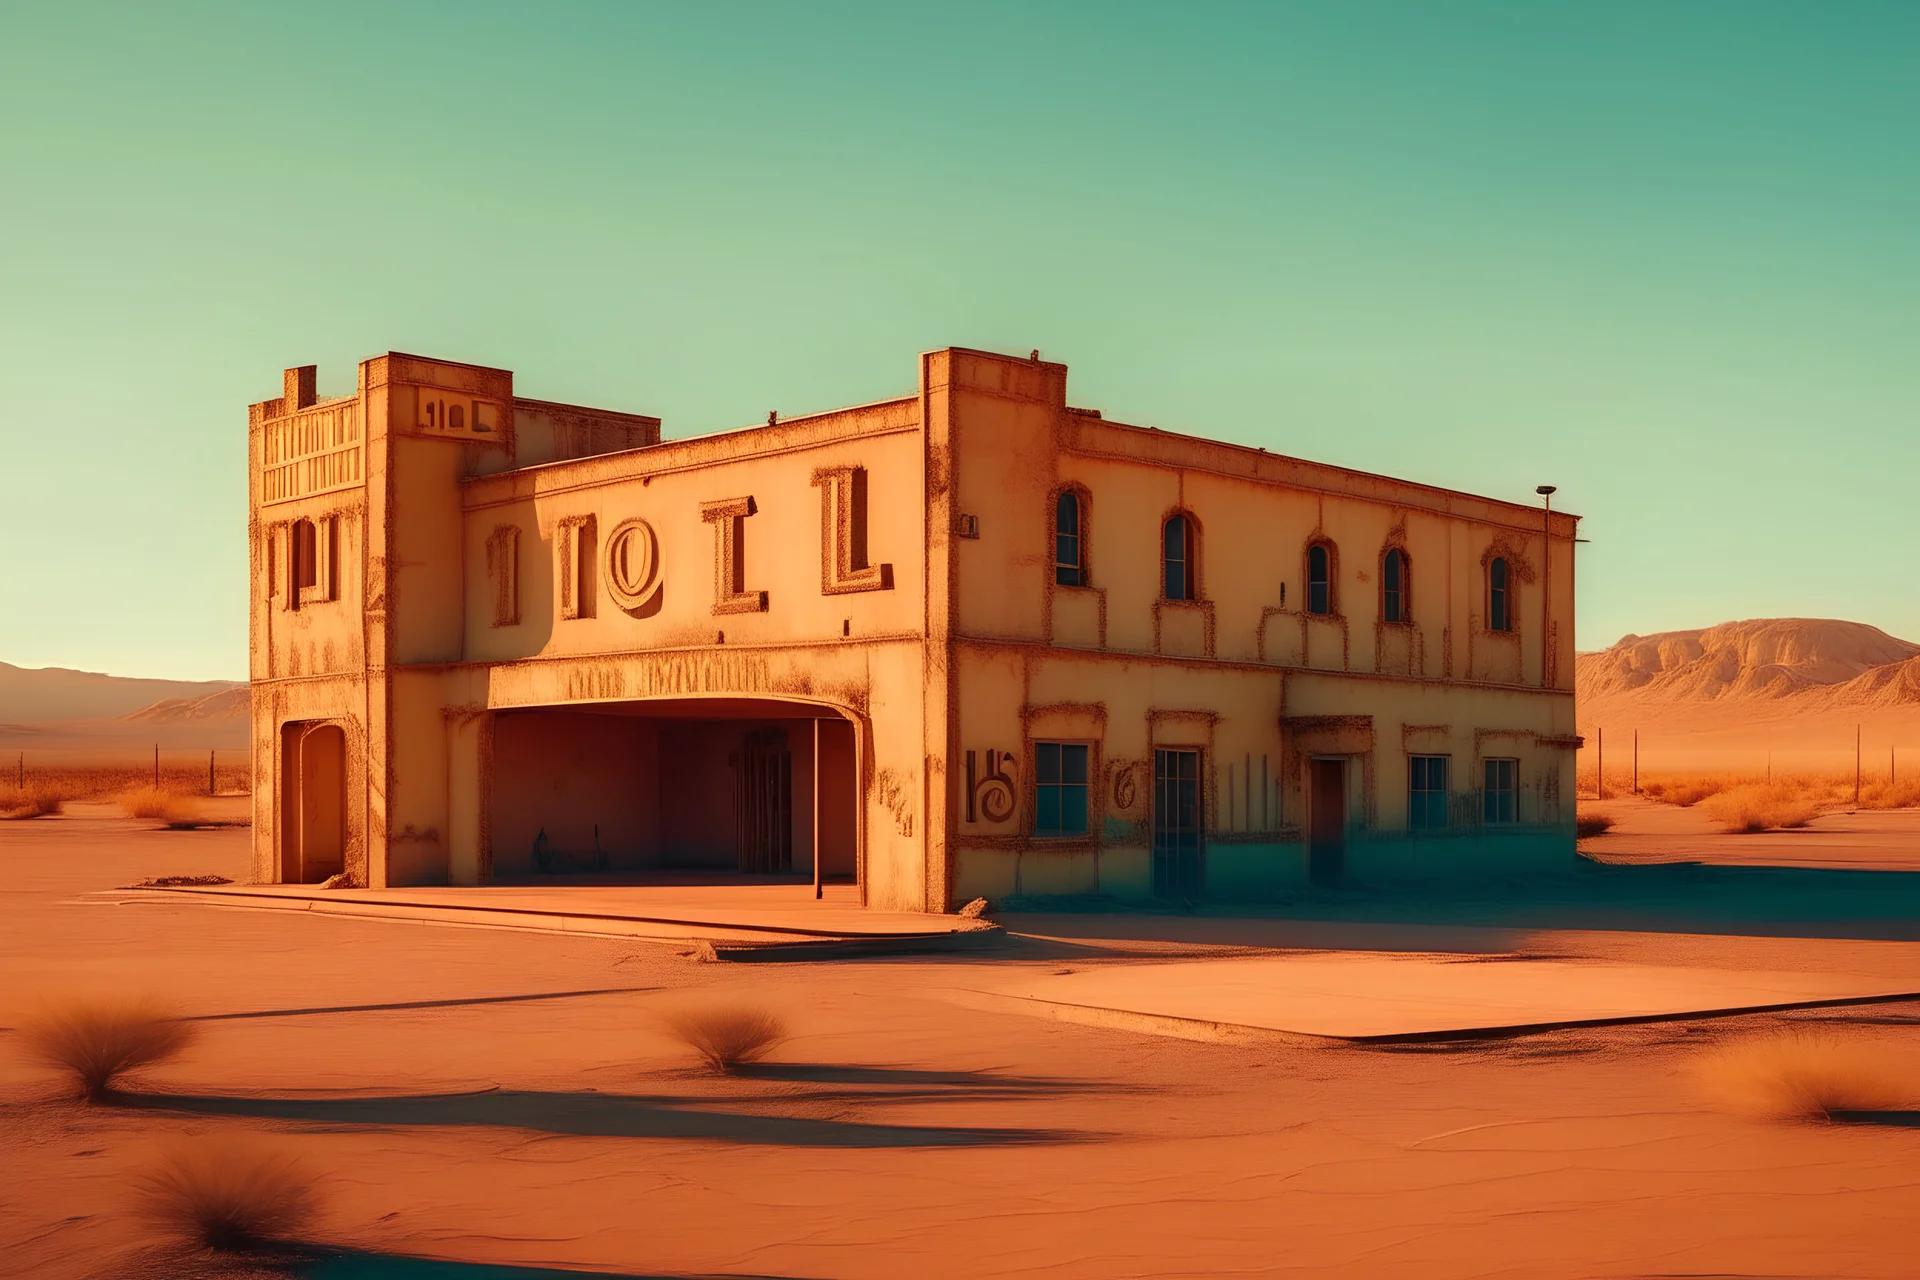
1664, 255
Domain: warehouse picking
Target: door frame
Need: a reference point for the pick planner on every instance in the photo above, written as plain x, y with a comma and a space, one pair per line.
291, 851
1326, 864
1180, 888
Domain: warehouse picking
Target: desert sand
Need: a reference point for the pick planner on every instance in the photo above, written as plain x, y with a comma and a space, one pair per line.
491, 1096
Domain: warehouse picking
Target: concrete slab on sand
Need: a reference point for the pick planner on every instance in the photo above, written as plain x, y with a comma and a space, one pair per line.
742, 922
1385, 996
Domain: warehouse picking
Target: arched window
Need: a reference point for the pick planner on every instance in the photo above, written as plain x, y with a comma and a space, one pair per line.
1320, 578
1393, 588
1499, 611
1069, 558
1179, 562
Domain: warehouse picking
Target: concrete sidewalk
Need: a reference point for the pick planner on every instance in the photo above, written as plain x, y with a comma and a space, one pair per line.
741, 921
1376, 996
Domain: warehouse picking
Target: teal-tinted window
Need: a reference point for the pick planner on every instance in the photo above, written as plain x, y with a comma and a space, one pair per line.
1427, 791
1501, 793
1060, 789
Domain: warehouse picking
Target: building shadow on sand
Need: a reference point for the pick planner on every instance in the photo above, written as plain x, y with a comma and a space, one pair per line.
385, 1266
696, 1119
333, 1262
1882, 1119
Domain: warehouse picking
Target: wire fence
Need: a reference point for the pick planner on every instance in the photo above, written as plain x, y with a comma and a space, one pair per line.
1632, 760
181, 772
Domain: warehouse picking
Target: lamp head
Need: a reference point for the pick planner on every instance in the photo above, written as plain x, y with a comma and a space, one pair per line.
1546, 490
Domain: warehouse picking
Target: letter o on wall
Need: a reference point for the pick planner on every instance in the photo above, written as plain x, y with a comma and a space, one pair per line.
633, 564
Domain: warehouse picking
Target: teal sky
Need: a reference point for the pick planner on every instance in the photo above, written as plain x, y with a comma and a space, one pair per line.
1664, 255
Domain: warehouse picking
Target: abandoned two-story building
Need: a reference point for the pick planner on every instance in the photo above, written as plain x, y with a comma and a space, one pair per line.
966, 642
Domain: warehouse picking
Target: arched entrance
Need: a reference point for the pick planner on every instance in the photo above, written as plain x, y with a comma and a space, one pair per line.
313, 842
708, 789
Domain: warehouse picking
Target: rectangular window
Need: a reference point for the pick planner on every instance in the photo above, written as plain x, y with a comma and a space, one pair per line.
306, 556
1066, 553
1060, 789
1502, 793
1427, 791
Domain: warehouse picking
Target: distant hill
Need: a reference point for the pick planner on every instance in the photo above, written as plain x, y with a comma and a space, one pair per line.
53, 709
227, 704
32, 694
1796, 692
1832, 663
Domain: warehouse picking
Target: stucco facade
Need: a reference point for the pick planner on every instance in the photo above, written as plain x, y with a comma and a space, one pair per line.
494, 638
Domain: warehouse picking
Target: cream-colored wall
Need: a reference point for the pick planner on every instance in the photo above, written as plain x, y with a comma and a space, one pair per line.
1115, 665
781, 540
1241, 717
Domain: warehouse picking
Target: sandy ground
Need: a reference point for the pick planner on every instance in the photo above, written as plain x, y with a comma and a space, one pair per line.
900, 1133
1647, 831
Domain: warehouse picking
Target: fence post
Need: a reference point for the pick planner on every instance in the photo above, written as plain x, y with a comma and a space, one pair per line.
1636, 762
1856, 766
1600, 764
210, 773
156, 766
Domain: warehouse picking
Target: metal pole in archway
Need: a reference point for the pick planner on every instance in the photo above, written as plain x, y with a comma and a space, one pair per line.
816, 809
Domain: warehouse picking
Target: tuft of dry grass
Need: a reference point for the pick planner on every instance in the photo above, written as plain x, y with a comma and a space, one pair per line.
1821, 790
35, 800
1766, 807
229, 1196
728, 1036
1592, 824
97, 1040
1801, 1074
1689, 789
170, 808
1891, 794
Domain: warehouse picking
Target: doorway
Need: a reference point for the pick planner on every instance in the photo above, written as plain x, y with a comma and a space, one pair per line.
1178, 870
1326, 820
313, 842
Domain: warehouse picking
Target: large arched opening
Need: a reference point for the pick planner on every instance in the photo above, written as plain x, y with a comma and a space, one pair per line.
704, 789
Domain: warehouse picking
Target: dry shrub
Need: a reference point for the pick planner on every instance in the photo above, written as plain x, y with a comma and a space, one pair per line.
1802, 1074
229, 1196
1592, 824
96, 1040
1896, 794
169, 808
1688, 789
1765, 807
1821, 790
728, 1036
35, 800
